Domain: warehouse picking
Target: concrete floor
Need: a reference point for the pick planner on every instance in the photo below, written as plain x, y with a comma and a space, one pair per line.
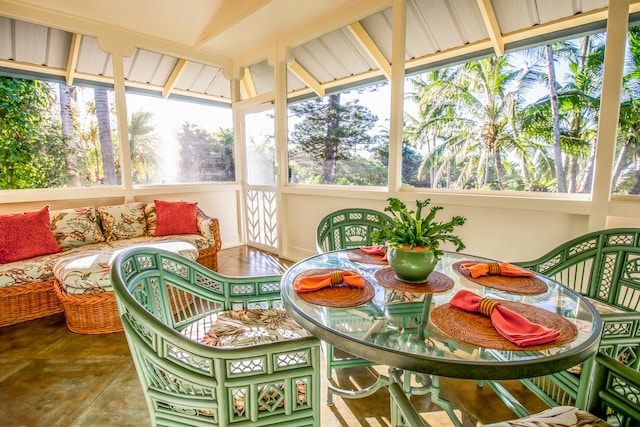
52, 377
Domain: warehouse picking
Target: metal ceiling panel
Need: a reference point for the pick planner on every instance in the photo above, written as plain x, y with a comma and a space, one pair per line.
220, 85
515, 15
164, 68
92, 59
203, 79
379, 28
31, 43
263, 77
438, 25
332, 56
294, 83
145, 67
432, 26
34, 44
59, 46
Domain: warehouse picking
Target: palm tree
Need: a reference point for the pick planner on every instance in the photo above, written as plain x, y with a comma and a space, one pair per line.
106, 141
67, 95
570, 110
142, 143
580, 100
553, 98
629, 124
469, 111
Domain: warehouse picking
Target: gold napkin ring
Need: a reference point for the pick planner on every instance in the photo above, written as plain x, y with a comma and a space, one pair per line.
336, 277
486, 306
494, 268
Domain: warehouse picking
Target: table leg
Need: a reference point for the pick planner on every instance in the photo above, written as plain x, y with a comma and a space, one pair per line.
429, 384
402, 412
356, 394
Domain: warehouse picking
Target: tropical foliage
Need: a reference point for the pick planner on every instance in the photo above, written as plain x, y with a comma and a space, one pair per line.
526, 121
54, 135
32, 147
409, 229
332, 142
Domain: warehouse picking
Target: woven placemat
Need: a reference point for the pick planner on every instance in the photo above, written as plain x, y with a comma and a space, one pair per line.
514, 285
436, 282
337, 296
476, 329
358, 256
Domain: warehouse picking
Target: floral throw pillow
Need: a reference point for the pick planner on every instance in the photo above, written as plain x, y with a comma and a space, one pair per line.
122, 221
76, 227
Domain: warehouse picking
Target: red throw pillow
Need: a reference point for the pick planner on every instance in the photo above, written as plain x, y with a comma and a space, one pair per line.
26, 235
176, 218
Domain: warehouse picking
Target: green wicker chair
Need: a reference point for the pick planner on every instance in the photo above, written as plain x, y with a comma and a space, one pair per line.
605, 267
614, 397
348, 228
195, 371
344, 229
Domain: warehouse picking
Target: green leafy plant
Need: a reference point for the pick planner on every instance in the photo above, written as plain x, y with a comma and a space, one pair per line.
407, 228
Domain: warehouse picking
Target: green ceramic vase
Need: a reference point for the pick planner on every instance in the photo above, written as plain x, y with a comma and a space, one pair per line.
411, 265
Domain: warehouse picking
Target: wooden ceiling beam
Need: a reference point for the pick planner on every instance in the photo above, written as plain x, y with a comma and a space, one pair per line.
248, 84
226, 16
491, 22
306, 78
370, 46
72, 62
173, 78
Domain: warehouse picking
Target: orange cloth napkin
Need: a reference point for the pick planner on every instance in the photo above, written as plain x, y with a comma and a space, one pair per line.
313, 283
375, 250
478, 269
507, 323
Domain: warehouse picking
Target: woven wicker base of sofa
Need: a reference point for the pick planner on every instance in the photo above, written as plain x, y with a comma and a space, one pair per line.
209, 258
27, 302
90, 313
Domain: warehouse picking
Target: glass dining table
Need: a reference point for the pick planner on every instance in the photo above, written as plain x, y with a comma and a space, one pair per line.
412, 328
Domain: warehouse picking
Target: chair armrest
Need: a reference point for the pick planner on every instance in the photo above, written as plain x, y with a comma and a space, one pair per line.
616, 388
210, 228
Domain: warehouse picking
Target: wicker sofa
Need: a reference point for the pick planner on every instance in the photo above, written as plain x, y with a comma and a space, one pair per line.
75, 279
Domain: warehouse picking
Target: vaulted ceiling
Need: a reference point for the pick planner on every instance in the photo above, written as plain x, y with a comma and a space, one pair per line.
195, 48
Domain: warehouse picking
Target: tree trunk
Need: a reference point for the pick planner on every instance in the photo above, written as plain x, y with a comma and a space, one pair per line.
499, 168
620, 163
106, 142
557, 147
635, 187
587, 181
332, 141
573, 174
66, 118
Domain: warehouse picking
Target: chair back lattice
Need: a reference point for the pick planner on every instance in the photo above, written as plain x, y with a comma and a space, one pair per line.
605, 267
615, 393
187, 382
348, 228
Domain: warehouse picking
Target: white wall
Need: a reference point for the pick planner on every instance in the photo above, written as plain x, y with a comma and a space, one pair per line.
503, 228
219, 201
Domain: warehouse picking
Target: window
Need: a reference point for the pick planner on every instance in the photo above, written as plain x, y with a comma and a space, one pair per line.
54, 135
341, 139
489, 124
626, 168
179, 141
260, 143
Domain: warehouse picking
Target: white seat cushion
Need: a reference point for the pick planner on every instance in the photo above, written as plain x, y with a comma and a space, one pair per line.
556, 417
88, 271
